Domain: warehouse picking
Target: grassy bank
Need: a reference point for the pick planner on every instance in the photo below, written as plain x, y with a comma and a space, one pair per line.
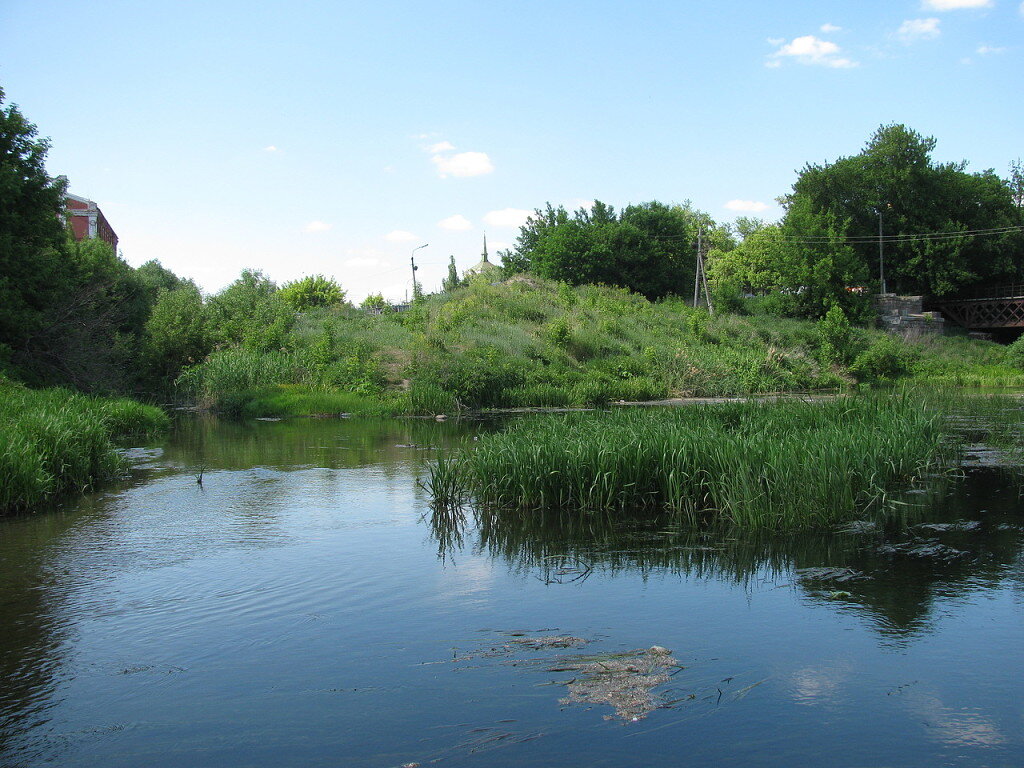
780, 465
54, 442
531, 342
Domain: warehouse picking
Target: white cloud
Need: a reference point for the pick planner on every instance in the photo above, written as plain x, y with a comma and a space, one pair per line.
1021, 9
463, 165
746, 206
912, 30
455, 223
811, 50
317, 226
507, 217
830, 28
954, 5
988, 50
776, 40
441, 146
400, 236
270, 148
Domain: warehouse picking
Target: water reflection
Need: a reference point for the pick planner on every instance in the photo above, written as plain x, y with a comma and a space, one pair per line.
963, 537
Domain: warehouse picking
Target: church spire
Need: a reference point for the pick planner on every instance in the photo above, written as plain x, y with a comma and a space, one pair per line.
485, 248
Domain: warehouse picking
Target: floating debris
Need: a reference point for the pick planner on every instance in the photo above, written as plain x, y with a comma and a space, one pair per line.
859, 527
959, 525
929, 549
624, 681
827, 573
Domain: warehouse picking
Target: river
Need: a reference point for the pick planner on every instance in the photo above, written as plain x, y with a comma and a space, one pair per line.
303, 607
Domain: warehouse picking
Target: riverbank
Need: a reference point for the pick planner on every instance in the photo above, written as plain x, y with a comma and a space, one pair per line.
528, 342
54, 442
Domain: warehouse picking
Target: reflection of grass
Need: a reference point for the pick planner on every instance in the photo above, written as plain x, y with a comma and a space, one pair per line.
55, 441
781, 465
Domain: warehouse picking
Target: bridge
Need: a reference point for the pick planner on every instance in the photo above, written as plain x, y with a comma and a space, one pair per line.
990, 308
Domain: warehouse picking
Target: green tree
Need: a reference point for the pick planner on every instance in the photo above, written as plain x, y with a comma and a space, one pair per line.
375, 301
177, 334
34, 272
649, 248
452, 281
312, 292
894, 180
250, 312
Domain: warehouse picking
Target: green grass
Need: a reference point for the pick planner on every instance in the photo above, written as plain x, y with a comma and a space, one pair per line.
54, 442
295, 400
530, 342
780, 465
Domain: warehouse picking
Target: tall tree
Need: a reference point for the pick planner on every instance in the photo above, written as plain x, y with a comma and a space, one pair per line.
649, 248
33, 269
930, 214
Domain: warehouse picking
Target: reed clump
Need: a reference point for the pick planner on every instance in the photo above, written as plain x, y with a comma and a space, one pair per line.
54, 442
765, 465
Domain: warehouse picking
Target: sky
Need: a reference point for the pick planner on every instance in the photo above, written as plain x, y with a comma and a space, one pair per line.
335, 137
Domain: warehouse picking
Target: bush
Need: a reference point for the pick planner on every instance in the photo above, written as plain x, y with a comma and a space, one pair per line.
886, 359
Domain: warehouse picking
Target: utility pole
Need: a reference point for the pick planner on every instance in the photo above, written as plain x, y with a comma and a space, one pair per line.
881, 251
701, 277
412, 261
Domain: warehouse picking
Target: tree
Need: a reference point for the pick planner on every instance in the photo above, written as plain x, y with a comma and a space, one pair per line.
375, 302
250, 312
312, 292
649, 248
177, 334
930, 207
452, 281
1017, 184
34, 272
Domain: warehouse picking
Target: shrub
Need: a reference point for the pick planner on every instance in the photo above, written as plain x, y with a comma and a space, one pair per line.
886, 359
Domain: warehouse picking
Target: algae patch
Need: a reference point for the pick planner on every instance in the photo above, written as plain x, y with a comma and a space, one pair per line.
623, 681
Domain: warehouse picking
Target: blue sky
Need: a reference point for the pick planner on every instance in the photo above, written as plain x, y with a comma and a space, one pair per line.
335, 137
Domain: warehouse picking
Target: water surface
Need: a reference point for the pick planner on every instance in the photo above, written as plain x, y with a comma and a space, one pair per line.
302, 607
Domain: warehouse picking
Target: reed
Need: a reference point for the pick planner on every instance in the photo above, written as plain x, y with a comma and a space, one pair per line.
54, 442
765, 465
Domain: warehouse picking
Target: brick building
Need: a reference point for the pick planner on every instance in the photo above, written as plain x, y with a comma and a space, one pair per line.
87, 220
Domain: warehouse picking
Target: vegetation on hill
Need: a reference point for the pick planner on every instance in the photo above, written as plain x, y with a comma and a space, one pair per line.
533, 342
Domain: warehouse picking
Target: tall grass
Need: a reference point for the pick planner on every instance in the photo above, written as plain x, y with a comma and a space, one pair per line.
54, 442
781, 465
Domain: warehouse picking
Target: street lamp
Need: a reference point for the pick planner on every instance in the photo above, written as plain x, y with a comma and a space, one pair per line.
412, 260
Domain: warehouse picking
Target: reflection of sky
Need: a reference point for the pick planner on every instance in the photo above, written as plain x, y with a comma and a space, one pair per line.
815, 685
466, 577
959, 726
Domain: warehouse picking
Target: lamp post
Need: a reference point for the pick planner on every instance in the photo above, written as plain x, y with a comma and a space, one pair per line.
412, 261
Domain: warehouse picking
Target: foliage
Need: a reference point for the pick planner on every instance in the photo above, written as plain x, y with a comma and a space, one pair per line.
54, 442
886, 359
836, 337
1015, 353
312, 292
375, 301
34, 273
251, 312
894, 178
178, 333
787, 464
452, 281
649, 248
